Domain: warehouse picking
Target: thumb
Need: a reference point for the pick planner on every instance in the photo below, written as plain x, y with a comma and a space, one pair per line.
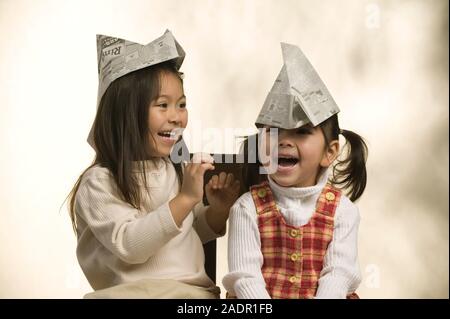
205, 167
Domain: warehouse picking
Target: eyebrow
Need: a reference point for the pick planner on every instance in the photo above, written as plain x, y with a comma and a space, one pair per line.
168, 97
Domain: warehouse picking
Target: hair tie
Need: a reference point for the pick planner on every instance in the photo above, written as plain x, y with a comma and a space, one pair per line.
341, 132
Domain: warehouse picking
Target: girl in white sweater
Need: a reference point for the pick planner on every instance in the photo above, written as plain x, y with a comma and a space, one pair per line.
294, 234
138, 216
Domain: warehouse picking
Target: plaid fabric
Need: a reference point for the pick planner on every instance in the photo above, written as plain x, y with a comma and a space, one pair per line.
293, 256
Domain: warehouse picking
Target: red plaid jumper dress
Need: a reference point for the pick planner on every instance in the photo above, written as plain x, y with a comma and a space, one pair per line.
293, 256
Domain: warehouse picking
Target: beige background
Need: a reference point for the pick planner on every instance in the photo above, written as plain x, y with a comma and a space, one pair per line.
385, 62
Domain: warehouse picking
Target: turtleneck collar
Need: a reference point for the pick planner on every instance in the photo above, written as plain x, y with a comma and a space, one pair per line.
299, 192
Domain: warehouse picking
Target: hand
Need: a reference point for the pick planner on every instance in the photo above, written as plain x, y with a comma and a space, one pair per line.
192, 187
222, 191
193, 176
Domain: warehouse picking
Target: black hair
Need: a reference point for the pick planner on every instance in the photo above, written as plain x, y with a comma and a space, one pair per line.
121, 132
349, 172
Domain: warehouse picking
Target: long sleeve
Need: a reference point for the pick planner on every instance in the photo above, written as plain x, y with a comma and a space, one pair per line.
201, 225
125, 231
245, 259
340, 274
119, 244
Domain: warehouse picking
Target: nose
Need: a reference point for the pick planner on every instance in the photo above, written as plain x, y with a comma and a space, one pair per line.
173, 116
284, 140
285, 143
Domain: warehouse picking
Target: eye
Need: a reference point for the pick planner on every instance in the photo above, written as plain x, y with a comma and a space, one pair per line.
303, 131
163, 105
182, 105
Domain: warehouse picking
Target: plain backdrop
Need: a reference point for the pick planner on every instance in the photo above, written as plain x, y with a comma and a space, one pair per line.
385, 62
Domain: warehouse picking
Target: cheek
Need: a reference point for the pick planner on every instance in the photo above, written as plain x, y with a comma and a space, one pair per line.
184, 118
154, 121
310, 151
315, 154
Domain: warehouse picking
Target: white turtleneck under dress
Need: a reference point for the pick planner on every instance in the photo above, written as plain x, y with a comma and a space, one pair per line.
340, 274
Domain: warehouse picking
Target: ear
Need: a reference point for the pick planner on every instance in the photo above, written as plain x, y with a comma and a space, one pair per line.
330, 154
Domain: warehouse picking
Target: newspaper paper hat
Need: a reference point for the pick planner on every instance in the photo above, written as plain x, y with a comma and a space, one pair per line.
298, 96
118, 57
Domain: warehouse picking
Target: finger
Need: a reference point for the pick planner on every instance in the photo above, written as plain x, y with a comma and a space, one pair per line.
229, 180
236, 185
187, 168
214, 180
209, 185
206, 158
202, 158
222, 179
196, 158
202, 168
193, 168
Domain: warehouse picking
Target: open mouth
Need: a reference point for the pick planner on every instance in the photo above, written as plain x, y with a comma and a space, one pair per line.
285, 161
170, 135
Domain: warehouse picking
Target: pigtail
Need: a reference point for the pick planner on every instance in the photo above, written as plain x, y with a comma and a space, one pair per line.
350, 172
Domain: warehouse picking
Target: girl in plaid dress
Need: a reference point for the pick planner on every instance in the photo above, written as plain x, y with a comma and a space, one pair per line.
294, 234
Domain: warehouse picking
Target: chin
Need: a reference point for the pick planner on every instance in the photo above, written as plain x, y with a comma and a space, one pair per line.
161, 153
283, 181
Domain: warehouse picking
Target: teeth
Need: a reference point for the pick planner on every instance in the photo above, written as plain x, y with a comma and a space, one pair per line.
168, 134
287, 157
172, 134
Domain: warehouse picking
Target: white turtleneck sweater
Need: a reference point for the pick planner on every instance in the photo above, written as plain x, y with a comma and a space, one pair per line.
340, 274
120, 244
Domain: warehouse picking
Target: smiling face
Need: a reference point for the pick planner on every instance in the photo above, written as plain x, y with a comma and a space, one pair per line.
301, 155
167, 115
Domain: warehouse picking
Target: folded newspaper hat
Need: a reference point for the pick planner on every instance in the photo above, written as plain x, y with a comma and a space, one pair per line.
118, 57
298, 96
